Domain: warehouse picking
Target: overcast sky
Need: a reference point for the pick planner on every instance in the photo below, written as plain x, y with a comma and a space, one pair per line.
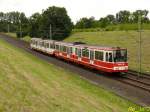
76, 8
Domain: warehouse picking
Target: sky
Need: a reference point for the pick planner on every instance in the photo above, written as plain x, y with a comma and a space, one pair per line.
76, 8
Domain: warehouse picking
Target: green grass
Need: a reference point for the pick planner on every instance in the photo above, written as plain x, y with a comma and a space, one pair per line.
127, 39
26, 38
29, 84
12, 34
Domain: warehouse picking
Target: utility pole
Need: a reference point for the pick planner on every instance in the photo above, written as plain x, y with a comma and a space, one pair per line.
20, 30
140, 42
50, 32
8, 28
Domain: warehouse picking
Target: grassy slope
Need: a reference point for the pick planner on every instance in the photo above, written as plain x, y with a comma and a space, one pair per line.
26, 38
127, 39
12, 34
30, 84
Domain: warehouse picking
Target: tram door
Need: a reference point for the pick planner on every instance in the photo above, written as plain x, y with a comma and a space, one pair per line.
109, 57
91, 57
79, 54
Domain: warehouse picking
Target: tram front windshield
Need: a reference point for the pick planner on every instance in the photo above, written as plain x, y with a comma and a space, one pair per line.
120, 55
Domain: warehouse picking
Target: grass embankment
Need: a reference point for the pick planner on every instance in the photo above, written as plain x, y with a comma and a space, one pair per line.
30, 84
127, 39
26, 38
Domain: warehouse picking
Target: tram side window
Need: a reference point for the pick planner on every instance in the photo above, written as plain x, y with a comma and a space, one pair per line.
42, 44
57, 47
67, 48
47, 45
71, 50
79, 52
109, 57
61, 47
36, 43
76, 51
51, 45
85, 52
64, 48
99, 55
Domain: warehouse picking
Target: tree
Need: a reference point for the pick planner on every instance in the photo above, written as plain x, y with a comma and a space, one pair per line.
142, 13
103, 22
12, 19
111, 19
59, 20
123, 16
34, 22
86, 23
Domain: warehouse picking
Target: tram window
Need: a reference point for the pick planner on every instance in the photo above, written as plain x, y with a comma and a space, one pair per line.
79, 52
40, 44
99, 55
120, 55
51, 45
85, 52
61, 48
43, 44
91, 55
57, 47
70, 50
67, 50
109, 57
47, 45
76, 51
64, 48
36, 43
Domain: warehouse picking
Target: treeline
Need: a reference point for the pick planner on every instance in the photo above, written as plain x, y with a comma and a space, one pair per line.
122, 17
53, 22
9, 22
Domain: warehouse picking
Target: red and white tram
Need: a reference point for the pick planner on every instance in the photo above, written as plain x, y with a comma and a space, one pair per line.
107, 59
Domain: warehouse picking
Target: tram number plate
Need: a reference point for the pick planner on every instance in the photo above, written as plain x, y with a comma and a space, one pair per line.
121, 68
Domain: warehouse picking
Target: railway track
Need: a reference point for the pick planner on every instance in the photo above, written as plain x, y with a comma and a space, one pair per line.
143, 75
132, 78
